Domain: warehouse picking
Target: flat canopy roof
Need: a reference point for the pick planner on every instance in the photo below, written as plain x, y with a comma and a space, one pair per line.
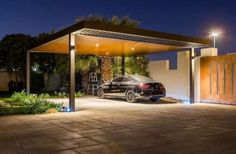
95, 38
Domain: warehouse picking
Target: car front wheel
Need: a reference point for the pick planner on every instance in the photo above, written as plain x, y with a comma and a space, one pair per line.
100, 93
130, 96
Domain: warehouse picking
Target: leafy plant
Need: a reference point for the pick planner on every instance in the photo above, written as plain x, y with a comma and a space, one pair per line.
60, 94
136, 65
21, 103
45, 95
19, 96
79, 94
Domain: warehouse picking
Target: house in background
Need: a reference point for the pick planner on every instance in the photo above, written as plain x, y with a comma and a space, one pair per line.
214, 76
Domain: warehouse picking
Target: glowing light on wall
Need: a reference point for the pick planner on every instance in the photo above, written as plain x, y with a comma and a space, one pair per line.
187, 102
97, 45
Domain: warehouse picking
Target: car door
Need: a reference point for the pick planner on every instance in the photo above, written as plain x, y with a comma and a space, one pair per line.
125, 84
115, 85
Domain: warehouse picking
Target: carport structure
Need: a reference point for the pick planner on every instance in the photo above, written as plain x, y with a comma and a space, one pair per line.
95, 38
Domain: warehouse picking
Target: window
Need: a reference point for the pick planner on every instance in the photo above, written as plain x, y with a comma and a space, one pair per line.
118, 79
126, 79
141, 78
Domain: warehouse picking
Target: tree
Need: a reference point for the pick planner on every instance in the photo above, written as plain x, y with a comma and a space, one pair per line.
106, 61
83, 64
136, 65
13, 54
133, 65
45, 62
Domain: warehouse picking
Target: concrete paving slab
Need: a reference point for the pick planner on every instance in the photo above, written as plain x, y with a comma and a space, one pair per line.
115, 126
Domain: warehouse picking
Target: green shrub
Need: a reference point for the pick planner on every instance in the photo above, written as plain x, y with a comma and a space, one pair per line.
60, 94
45, 95
79, 94
19, 96
41, 105
64, 95
28, 104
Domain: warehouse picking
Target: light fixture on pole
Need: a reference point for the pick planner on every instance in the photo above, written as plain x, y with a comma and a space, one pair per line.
214, 35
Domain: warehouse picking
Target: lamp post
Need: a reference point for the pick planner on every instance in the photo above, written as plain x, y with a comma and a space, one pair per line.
214, 35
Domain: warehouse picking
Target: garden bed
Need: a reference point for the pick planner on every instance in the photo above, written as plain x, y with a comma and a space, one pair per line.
21, 103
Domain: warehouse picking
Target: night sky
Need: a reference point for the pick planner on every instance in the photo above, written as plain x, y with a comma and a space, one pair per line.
188, 17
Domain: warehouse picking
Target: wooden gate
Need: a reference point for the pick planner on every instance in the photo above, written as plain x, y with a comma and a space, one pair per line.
218, 79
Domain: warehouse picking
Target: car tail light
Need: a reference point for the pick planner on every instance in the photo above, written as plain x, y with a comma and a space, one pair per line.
144, 86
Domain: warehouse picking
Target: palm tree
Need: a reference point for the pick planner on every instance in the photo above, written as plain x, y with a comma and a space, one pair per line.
136, 65
83, 64
106, 61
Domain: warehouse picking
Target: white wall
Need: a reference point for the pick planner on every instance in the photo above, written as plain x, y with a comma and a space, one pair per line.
175, 81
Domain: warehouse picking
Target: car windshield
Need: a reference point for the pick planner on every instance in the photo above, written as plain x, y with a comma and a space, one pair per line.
141, 78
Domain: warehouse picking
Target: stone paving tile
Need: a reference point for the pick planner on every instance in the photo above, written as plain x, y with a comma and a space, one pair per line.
212, 151
64, 136
184, 147
28, 141
63, 152
45, 147
230, 148
102, 138
100, 149
92, 132
145, 142
150, 150
77, 128
11, 148
79, 142
125, 136
52, 131
111, 126
7, 137
118, 129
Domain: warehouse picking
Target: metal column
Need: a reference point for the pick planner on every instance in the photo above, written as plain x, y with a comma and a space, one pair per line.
123, 65
191, 74
28, 72
72, 72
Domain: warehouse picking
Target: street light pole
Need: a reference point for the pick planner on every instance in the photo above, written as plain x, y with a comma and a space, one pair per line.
214, 40
214, 35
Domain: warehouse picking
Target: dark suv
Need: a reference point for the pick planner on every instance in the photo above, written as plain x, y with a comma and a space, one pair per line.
132, 87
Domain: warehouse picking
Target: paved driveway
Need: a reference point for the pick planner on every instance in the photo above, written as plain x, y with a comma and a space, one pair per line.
112, 126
